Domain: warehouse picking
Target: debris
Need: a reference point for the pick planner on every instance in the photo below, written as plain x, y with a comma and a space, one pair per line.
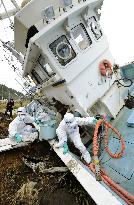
27, 193
15, 176
40, 167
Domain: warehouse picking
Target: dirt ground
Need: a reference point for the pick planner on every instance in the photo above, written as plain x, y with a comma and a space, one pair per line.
19, 185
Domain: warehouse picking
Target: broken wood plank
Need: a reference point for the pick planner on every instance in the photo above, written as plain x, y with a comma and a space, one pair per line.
41, 167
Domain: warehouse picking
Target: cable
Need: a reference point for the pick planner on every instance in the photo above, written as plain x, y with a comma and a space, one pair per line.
125, 86
11, 23
15, 4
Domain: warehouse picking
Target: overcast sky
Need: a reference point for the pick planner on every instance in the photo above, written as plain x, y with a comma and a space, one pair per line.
117, 23
7, 76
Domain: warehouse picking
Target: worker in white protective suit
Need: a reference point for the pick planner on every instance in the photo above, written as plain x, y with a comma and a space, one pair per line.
68, 127
21, 129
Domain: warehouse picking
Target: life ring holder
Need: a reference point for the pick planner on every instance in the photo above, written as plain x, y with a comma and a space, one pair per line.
105, 68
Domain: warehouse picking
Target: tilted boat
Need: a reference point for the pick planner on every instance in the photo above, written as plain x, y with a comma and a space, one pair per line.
67, 55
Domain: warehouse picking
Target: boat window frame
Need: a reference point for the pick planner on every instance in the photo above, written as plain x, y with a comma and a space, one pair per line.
93, 33
36, 76
85, 33
44, 67
53, 48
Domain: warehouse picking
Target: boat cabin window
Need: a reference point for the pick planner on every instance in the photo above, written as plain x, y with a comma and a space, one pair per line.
36, 77
94, 26
62, 50
81, 36
45, 66
49, 69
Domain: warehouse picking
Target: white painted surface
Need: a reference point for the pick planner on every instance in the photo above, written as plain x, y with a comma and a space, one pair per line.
22, 21
82, 73
114, 99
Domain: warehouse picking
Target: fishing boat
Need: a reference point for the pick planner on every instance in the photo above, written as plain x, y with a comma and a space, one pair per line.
67, 55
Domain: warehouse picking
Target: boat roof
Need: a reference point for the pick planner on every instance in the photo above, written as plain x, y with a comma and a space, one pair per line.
34, 45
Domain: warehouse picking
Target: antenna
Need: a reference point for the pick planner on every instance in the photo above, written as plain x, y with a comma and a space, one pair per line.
21, 86
15, 4
8, 45
11, 23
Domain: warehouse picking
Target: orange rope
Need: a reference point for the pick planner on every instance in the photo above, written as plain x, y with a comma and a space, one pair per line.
95, 141
126, 196
118, 155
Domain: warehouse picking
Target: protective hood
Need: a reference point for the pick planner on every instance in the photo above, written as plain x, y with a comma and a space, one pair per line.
69, 118
21, 110
71, 123
21, 113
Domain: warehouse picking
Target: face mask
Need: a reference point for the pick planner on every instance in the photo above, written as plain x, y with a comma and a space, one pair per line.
22, 117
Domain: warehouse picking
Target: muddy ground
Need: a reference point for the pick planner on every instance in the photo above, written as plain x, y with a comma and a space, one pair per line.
19, 185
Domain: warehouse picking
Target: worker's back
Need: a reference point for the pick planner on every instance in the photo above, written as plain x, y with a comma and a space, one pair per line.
9, 105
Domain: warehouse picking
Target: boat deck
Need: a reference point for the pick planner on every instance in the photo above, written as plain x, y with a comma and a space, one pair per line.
121, 170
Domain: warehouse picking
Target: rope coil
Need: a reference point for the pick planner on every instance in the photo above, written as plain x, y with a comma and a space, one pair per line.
126, 196
95, 141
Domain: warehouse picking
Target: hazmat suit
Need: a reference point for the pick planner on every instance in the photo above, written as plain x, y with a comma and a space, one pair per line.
68, 127
21, 128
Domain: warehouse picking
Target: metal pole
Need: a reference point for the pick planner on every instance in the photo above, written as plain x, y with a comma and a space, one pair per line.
22, 86
2, 92
15, 4
7, 13
9, 94
13, 51
11, 12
